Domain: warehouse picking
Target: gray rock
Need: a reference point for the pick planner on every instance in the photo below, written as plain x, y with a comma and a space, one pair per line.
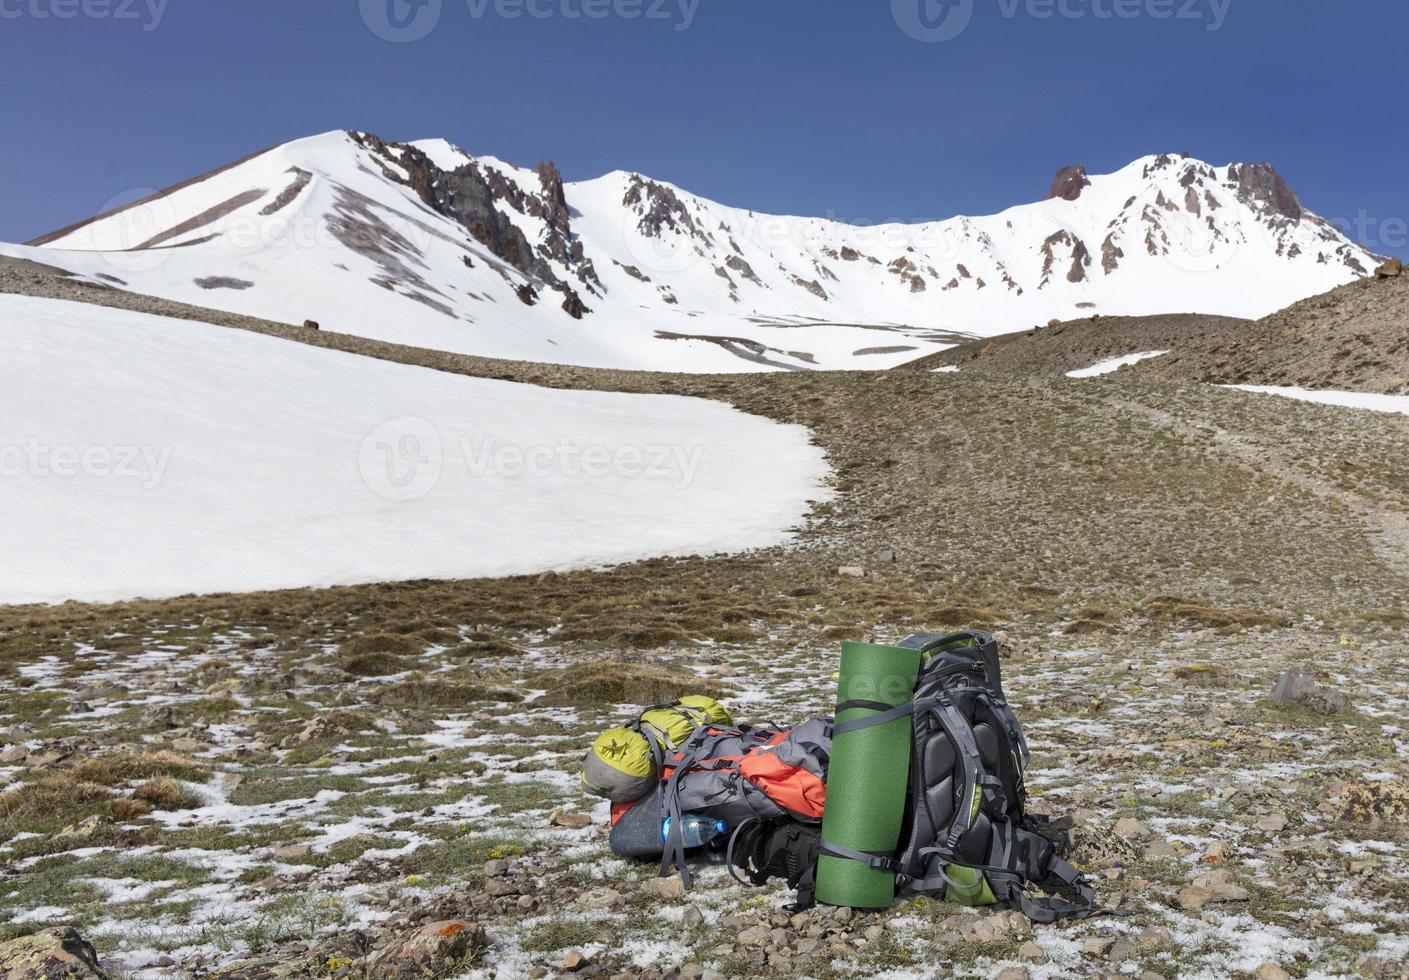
48, 955
1296, 687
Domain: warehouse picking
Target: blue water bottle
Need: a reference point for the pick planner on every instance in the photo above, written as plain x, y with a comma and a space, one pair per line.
695, 830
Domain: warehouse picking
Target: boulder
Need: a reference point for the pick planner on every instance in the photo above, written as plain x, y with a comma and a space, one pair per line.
1296, 687
1392, 269
438, 949
1377, 803
54, 954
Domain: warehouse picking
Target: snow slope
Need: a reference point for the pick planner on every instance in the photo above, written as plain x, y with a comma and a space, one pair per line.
425, 244
141, 456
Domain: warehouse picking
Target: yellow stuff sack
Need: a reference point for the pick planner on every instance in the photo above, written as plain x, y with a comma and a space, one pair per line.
619, 766
675, 724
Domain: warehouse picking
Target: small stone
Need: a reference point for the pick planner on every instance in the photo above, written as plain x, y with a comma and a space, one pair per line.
851, 571
666, 888
569, 819
1161, 850
1097, 946
88, 827
1014, 973
290, 851
15, 753
754, 936
1130, 828
1193, 898
692, 916
574, 961
691, 971
1032, 952
496, 868
599, 899
1271, 971
187, 745
887, 556
1155, 938
1273, 823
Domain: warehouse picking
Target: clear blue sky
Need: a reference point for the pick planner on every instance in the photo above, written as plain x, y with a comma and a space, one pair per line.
799, 106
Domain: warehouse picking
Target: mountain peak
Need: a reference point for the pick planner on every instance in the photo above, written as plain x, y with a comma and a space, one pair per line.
424, 243
1069, 183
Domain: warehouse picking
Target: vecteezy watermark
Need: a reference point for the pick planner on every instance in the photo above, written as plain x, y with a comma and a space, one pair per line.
680, 13
148, 13
406, 458
144, 464
1378, 234
936, 21
401, 21
677, 465
404, 21
402, 459
933, 21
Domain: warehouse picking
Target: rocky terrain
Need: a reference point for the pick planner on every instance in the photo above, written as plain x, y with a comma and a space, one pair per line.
380, 781
1353, 338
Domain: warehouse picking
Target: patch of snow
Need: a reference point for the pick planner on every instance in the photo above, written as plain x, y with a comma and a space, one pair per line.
1114, 364
153, 457
1397, 404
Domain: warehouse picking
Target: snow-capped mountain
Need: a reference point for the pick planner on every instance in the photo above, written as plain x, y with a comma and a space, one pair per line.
421, 243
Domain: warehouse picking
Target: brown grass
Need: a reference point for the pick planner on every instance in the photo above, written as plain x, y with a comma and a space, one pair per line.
166, 794
619, 682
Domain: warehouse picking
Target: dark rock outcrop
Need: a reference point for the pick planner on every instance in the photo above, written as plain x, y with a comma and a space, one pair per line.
1069, 183
1260, 183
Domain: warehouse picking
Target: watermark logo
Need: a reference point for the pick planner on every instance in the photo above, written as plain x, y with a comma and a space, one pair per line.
1373, 232
147, 13
1197, 244
933, 21
143, 465
672, 464
129, 240
401, 21
937, 21
401, 459
406, 459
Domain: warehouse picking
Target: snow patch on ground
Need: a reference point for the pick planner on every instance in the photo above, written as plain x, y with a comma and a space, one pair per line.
1398, 404
145, 456
1114, 364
